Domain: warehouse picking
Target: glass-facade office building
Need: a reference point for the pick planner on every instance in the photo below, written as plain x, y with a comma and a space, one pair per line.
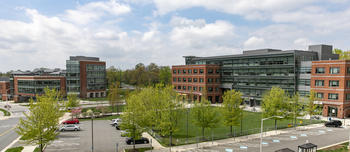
256, 71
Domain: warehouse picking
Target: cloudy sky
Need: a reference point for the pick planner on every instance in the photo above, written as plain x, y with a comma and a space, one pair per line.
44, 33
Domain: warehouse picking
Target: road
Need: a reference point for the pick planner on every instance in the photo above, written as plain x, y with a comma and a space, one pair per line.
321, 136
105, 139
7, 126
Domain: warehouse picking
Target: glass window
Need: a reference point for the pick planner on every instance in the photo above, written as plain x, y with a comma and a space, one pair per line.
333, 83
320, 70
216, 89
184, 79
217, 71
189, 88
319, 83
179, 80
184, 87
179, 87
319, 95
174, 79
348, 96
184, 71
189, 71
348, 70
334, 70
189, 79
210, 89
200, 88
178, 71
348, 83
201, 80
174, 71
194, 88
333, 96
201, 71
210, 71
210, 80
195, 71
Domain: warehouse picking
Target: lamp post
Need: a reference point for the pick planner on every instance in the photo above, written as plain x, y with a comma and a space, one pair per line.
261, 129
92, 133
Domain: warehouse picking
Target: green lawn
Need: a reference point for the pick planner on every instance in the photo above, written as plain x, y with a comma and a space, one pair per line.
251, 125
6, 113
338, 148
108, 109
15, 149
95, 99
101, 118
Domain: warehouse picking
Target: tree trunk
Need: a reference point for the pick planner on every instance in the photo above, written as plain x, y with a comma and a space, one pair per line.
171, 139
203, 133
231, 131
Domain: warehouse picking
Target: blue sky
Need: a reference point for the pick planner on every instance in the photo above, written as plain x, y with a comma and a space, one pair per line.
38, 33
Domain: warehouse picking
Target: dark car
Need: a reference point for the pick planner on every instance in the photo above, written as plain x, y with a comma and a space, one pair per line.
142, 140
333, 123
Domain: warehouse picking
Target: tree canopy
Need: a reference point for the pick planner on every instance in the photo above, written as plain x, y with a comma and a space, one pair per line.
231, 108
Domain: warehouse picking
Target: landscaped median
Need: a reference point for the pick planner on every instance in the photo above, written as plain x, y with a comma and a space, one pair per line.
6, 113
189, 133
342, 147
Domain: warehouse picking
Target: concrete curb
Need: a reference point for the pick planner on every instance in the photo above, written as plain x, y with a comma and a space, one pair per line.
333, 145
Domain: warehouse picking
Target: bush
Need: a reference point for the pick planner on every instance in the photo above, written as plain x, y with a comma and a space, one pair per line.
15, 149
6, 113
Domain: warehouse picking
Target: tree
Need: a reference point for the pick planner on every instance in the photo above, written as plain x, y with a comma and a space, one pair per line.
295, 108
231, 108
343, 55
72, 102
165, 75
113, 95
204, 115
274, 104
114, 75
40, 125
311, 106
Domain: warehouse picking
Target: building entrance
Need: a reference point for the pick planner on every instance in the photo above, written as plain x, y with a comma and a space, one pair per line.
332, 111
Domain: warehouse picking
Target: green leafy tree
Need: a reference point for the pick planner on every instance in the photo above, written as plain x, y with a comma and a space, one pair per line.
113, 96
165, 75
295, 107
311, 107
204, 115
40, 125
114, 75
343, 55
231, 108
275, 103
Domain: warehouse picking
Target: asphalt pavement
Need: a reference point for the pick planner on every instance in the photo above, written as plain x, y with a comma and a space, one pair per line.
7, 126
106, 139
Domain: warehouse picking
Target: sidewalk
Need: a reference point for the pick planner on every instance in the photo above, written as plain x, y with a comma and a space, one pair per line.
237, 139
155, 143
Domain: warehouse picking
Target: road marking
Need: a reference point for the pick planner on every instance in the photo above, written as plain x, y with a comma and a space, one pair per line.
264, 143
293, 137
303, 135
243, 147
7, 131
321, 131
329, 130
276, 141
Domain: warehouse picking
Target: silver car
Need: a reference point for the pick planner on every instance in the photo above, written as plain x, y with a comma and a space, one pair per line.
70, 127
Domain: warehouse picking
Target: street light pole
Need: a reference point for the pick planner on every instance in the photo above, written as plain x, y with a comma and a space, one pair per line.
261, 129
92, 133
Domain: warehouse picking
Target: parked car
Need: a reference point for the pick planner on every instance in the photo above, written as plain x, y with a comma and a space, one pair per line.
70, 127
315, 117
142, 140
333, 123
71, 121
116, 122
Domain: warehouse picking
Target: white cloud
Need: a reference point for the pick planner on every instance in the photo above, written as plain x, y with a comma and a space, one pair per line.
254, 42
89, 12
304, 42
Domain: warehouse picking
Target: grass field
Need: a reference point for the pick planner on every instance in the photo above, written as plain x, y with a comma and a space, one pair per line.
337, 148
250, 125
15, 149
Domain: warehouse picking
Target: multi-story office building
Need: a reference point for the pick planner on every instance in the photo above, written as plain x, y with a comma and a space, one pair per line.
4, 88
256, 71
86, 76
331, 82
192, 80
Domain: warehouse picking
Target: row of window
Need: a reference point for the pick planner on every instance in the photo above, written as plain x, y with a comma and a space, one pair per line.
195, 71
195, 88
210, 80
332, 70
331, 96
332, 83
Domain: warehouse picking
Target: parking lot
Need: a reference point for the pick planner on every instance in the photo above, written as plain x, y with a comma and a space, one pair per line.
105, 136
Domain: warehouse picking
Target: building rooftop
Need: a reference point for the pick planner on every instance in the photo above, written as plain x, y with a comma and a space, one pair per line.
4, 79
83, 58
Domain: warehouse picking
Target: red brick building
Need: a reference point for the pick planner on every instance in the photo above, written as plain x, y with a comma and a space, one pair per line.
330, 79
30, 86
191, 80
4, 90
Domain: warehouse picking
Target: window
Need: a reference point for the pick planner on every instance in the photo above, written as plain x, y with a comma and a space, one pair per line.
201, 71
348, 96
334, 70
319, 95
348, 83
179, 87
217, 80
178, 71
194, 88
348, 70
210, 80
189, 79
201, 80
179, 80
216, 89
174, 79
189, 71
320, 70
319, 83
210, 89
184, 79
195, 71
174, 87
184, 71
333, 83
174, 71
333, 96
189, 88
195, 79
200, 88
184, 87
217, 71
210, 71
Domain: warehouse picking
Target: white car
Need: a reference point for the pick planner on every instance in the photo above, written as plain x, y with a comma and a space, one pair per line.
70, 127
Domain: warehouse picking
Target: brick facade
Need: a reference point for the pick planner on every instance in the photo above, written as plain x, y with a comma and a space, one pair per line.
330, 80
4, 90
84, 92
191, 80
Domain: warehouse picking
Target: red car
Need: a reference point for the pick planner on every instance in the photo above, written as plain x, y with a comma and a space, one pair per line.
71, 121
